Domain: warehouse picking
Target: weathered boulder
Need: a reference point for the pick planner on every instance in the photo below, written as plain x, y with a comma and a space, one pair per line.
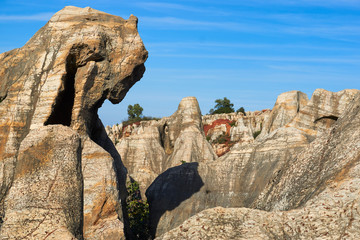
319, 189
63, 74
330, 160
184, 136
45, 200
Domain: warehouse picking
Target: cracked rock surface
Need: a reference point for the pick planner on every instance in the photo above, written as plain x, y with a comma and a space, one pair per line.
51, 89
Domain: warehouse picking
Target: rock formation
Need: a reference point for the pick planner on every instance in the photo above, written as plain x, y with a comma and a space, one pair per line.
319, 188
149, 148
240, 177
286, 107
63, 178
51, 139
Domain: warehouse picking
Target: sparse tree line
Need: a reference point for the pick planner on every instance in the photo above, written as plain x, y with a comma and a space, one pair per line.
225, 106
135, 112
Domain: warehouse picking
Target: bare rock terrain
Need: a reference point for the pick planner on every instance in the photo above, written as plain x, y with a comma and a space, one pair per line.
318, 189
240, 177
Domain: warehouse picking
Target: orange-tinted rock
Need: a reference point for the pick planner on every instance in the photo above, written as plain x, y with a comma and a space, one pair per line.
63, 74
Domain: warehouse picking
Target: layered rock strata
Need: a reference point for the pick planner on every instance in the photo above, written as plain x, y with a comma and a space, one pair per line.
59, 79
239, 178
319, 189
149, 148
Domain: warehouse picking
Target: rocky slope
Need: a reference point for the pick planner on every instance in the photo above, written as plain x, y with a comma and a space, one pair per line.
51, 139
318, 188
239, 177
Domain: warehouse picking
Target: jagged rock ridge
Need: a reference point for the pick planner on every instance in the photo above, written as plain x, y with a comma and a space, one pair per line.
240, 177
319, 188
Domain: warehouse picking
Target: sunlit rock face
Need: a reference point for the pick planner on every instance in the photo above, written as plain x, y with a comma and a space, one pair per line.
61, 77
317, 191
241, 177
286, 107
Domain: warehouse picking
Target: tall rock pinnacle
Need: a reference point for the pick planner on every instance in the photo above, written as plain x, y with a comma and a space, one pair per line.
62, 76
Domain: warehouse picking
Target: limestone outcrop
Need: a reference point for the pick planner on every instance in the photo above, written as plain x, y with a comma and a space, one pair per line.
240, 177
45, 199
318, 189
286, 107
51, 88
149, 148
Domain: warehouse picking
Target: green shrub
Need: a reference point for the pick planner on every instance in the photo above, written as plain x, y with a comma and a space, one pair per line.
138, 212
255, 134
222, 106
242, 110
232, 124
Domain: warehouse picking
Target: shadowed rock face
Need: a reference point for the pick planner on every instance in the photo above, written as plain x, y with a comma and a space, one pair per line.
61, 77
182, 182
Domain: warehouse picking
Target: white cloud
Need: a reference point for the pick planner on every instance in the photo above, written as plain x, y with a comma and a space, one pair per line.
35, 17
160, 6
344, 59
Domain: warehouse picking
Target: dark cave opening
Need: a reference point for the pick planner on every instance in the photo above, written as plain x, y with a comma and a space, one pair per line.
62, 109
332, 117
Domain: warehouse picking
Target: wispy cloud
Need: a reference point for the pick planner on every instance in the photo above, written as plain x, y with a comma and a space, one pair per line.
201, 44
322, 3
36, 17
171, 22
161, 6
344, 59
341, 31
292, 3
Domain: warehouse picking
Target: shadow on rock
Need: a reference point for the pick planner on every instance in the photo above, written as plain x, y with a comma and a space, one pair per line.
170, 188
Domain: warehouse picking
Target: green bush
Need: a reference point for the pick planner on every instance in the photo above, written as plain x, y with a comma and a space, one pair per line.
222, 139
138, 212
255, 134
222, 106
242, 110
134, 111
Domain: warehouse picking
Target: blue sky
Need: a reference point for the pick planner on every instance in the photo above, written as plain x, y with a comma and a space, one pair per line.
247, 51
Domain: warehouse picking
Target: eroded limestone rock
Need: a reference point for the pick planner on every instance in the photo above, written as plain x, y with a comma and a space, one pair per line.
240, 177
286, 107
149, 148
319, 189
62, 76
45, 200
